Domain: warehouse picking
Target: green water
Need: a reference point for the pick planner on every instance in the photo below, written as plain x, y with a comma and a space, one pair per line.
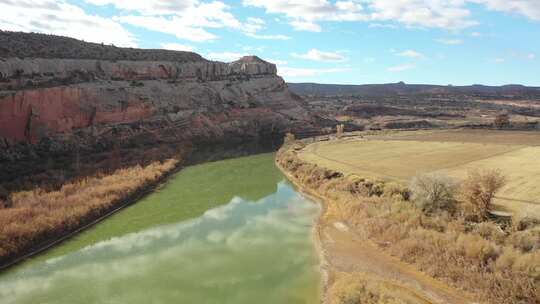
231, 231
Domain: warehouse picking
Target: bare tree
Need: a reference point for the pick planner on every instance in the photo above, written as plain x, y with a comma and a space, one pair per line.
479, 190
432, 192
501, 121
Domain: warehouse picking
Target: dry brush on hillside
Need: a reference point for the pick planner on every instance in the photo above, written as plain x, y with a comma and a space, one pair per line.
434, 231
31, 219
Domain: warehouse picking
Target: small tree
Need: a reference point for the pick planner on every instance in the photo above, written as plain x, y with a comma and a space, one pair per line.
433, 192
480, 188
289, 138
502, 121
339, 130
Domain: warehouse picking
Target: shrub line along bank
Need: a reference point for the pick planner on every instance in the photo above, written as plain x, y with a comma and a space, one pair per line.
498, 265
17, 244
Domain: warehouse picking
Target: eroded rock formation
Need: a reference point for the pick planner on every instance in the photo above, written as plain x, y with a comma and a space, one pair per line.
55, 107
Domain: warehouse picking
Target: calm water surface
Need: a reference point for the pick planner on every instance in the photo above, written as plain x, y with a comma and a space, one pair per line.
231, 231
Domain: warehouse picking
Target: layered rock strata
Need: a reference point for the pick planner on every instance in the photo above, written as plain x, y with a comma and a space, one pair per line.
71, 108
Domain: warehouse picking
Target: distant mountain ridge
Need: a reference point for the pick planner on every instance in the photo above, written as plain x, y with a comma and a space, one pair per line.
401, 88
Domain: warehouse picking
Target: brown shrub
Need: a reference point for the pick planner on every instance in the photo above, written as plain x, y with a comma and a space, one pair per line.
525, 241
357, 288
479, 257
480, 188
490, 231
433, 192
501, 121
38, 216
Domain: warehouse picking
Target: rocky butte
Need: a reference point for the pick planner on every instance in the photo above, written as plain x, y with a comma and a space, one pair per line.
68, 104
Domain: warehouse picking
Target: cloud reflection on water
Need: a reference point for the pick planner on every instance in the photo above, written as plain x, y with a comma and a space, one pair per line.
236, 252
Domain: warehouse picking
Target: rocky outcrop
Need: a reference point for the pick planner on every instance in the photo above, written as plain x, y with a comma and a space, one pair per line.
53, 108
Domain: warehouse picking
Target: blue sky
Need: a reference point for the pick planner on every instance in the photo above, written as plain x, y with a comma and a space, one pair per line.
455, 42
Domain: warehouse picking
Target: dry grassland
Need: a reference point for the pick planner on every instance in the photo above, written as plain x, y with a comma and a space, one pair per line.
400, 156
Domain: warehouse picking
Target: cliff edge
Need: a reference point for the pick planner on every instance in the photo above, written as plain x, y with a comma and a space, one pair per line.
65, 102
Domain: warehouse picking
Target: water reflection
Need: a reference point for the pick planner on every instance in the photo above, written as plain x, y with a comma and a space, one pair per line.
241, 252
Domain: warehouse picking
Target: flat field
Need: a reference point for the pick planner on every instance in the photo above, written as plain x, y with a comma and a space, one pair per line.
400, 156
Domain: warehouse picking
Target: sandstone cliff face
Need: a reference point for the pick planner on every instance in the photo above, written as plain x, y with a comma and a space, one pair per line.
51, 107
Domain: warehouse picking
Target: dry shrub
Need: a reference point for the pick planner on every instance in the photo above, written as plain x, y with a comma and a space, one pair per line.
523, 222
433, 192
396, 191
477, 248
501, 121
365, 187
39, 216
480, 188
289, 139
525, 241
482, 258
490, 231
357, 288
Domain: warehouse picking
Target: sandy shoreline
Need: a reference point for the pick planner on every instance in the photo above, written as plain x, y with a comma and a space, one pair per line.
344, 252
318, 224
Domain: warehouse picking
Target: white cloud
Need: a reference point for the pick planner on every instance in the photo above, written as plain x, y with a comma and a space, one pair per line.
307, 26
268, 37
177, 47
499, 60
253, 25
401, 68
186, 19
528, 8
148, 7
248, 48
178, 26
476, 34
317, 55
447, 14
382, 25
450, 41
410, 54
225, 56
61, 18
304, 15
290, 72
189, 20
278, 62
531, 56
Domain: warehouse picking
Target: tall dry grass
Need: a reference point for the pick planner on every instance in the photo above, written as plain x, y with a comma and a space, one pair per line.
34, 217
357, 288
497, 263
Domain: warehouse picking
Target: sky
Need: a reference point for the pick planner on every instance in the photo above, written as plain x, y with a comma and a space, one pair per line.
458, 42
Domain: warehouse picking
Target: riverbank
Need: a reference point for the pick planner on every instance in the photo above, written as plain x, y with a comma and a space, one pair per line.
236, 225
56, 213
377, 245
33, 221
342, 253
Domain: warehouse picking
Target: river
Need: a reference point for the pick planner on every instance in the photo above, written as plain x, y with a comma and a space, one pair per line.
232, 231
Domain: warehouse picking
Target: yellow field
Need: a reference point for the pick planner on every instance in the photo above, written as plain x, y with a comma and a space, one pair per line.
400, 156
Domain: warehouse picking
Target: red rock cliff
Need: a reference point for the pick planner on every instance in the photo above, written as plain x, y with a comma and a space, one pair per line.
53, 106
